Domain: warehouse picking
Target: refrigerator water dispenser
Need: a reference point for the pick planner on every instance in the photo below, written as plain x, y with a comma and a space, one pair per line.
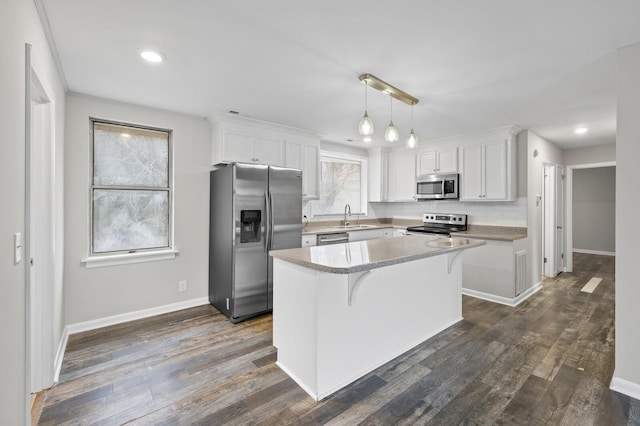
250, 226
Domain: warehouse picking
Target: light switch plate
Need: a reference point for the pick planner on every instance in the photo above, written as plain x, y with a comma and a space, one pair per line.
17, 246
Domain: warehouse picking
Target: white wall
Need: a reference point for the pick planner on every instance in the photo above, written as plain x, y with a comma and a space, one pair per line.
19, 24
594, 208
545, 152
590, 155
92, 294
627, 229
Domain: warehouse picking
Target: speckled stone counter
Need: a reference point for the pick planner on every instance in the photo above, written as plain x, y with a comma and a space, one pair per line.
497, 233
366, 255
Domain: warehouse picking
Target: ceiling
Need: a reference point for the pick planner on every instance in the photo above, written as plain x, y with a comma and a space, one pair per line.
547, 66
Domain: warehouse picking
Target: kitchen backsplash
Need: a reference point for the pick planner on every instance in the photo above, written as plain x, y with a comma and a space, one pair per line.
497, 214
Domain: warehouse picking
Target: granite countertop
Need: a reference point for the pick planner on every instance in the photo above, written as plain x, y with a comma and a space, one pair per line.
365, 255
496, 233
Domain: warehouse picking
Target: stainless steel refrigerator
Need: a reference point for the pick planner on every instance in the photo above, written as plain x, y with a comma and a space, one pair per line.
253, 209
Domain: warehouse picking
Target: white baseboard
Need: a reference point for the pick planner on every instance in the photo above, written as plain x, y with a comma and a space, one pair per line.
602, 253
624, 386
131, 316
504, 300
62, 346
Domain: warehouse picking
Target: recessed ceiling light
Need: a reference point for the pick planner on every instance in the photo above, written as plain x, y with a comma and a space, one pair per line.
580, 130
367, 139
151, 56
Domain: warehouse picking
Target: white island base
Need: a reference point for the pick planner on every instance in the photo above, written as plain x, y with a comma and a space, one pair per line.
327, 339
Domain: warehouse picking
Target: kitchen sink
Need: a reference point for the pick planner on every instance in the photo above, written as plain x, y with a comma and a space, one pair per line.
448, 243
354, 226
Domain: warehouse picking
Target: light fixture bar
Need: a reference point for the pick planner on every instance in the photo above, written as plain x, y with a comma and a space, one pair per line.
388, 89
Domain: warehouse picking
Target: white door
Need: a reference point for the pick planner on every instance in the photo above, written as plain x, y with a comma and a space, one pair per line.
552, 220
40, 187
559, 219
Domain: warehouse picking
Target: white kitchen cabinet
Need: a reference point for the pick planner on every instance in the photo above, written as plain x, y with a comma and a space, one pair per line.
487, 170
246, 147
438, 161
378, 171
239, 139
394, 232
309, 240
303, 154
402, 176
366, 234
497, 271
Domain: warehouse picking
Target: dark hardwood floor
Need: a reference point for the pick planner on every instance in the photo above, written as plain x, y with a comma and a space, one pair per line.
547, 361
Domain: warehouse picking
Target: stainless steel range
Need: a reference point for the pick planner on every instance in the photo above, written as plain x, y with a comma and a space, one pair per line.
440, 224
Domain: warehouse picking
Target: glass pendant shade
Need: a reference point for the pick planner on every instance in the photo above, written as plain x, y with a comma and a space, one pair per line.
391, 133
412, 140
365, 127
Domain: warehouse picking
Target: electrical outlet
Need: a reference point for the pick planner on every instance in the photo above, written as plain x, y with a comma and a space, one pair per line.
182, 286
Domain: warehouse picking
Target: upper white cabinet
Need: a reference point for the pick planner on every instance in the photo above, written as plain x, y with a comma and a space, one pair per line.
378, 179
438, 161
303, 153
245, 146
487, 166
402, 175
238, 139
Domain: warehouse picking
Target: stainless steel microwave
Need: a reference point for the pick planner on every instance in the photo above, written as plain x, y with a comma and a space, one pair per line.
437, 187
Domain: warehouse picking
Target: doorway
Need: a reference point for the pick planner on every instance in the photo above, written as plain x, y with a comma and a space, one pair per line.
569, 206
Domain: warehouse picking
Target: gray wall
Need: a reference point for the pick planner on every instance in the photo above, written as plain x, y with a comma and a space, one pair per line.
19, 24
549, 153
92, 294
590, 155
594, 209
627, 207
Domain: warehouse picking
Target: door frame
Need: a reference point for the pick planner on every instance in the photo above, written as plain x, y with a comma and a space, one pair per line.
569, 207
553, 193
40, 348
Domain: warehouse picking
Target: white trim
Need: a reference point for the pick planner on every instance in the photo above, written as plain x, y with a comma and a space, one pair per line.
504, 300
62, 346
602, 253
127, 258
569, 207
624, 386
131, 316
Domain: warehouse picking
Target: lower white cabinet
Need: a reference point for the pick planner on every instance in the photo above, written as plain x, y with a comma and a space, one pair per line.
367, 234
496, 271
309, 240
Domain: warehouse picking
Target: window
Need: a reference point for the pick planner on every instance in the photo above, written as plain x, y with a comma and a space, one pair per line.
343, 180
130, 189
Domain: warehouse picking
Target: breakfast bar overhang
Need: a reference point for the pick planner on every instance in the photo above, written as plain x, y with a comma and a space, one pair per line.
340, 311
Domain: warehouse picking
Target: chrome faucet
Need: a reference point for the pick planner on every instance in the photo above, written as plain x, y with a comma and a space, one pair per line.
347, 210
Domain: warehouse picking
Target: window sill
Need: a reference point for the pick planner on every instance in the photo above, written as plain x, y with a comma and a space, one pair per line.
128, 258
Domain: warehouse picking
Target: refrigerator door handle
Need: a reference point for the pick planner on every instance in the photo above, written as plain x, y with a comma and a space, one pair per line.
267, 222
272, 217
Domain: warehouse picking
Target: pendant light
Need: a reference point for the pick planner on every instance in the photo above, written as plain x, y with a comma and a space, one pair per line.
365, 127
391, 133
412, 140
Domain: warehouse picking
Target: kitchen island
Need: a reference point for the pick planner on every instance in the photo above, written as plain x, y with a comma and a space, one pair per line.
340, 311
